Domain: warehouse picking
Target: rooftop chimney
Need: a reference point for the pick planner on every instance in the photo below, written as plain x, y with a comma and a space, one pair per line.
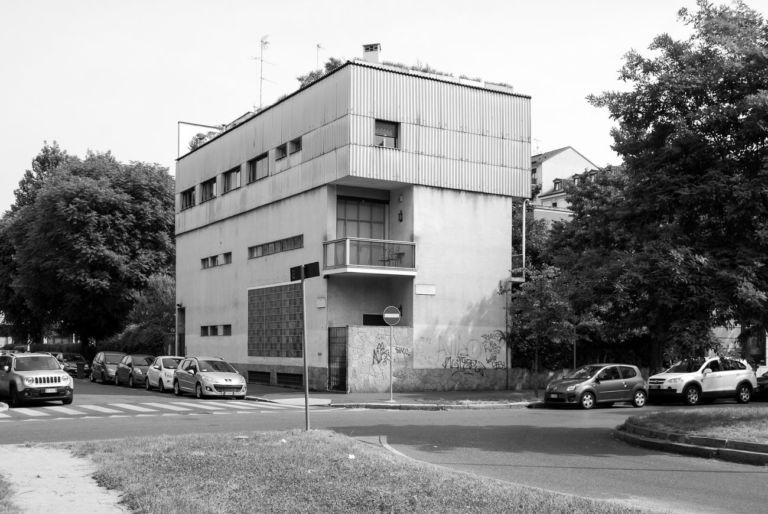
371, 52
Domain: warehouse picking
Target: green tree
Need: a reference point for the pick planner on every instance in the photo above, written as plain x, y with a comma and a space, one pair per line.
330, 65
94, 233
693, 136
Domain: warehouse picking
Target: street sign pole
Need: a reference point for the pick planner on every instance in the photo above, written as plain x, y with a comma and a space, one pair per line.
391, 317
304, 351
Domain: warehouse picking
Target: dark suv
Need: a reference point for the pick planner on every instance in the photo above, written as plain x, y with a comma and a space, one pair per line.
34, 377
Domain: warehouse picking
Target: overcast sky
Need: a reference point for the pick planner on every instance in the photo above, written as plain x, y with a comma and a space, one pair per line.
119, 75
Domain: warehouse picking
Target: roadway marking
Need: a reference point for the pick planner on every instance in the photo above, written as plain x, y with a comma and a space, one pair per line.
30, 412
168, 406
198, 406
99, 408
136, 408
233, 404
65, 410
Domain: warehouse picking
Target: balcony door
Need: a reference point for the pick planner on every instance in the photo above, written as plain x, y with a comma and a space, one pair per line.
361, 218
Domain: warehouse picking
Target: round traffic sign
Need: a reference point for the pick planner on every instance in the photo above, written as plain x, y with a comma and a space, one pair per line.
391, 315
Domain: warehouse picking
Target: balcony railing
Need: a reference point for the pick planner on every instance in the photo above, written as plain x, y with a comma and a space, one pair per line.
369, 253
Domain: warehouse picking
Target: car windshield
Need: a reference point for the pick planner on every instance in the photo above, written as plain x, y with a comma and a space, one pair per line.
37, 363
171, 363
73, 357
219, 366
584, 372
113, 358
686, 366
142, 360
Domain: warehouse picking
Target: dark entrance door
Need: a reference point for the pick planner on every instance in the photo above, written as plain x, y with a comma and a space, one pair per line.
337, 358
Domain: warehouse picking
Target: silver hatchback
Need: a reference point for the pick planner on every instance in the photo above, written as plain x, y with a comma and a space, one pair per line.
598, 383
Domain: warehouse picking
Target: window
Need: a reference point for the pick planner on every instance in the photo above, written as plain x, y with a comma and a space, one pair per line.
258, 168
558, 185
357, 217
386, 134
188, 198
231, 179
208, 190
216, 260
283, 245
294, 146
554, 204
226, 330
228, 258
204, 331
213, 330
281, 151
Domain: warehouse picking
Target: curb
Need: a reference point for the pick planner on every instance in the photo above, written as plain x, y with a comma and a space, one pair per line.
430, 406
741, 452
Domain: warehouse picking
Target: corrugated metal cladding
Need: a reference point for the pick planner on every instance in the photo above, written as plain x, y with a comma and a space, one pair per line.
433, 103
450, 135
317, 114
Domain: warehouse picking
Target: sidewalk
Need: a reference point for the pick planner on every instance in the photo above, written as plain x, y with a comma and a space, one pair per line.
422, 400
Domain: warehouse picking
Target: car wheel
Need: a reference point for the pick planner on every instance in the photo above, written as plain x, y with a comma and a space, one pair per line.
639, 399
743, 393
160, 385
147, 385
131, 383
176, 388
691, 395
15, 399
587, 400
199, 391
66, 401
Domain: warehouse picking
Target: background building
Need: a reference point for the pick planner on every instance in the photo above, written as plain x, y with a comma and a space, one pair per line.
401, 185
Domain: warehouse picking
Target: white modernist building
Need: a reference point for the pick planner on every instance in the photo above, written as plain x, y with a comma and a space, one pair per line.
400, 184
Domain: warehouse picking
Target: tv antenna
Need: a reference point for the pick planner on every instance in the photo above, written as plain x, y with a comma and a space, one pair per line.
264, 43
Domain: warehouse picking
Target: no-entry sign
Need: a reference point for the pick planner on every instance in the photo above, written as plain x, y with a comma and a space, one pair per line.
391, 315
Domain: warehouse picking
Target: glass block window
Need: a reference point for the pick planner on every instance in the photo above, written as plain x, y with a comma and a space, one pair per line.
275, 321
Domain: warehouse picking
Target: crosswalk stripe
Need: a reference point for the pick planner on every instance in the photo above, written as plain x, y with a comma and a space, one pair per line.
64, 410
168, 406
234, 404
198, 406
132, 407
99, 408
32, 413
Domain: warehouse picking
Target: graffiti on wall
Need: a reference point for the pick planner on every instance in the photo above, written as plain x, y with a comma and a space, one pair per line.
381, 353
473, 356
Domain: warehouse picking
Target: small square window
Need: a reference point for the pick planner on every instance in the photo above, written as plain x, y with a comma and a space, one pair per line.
228, 258
208, 190
281, 151
204, 331
226, 330
294, 146
205, 263
213, 330
231, 179
386, 134
188, 198
258, 168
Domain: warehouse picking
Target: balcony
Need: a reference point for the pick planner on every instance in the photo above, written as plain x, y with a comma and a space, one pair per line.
369, 257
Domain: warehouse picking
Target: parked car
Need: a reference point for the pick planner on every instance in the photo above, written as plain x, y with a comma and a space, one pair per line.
598, 383
104, 365
160, 373
694, 380
762, 382
34, 377
208, 376
70, 361
132, 369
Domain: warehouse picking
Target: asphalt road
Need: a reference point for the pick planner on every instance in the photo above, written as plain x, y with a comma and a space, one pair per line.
565, 450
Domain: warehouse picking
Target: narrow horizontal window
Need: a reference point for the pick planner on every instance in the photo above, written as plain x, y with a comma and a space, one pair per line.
281, 245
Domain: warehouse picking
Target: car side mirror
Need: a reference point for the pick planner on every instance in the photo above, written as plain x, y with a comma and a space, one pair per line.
155, 367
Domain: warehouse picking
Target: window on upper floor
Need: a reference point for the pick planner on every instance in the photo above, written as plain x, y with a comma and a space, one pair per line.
208, 190
258, 168
387, 134
294, 146
282, 245
188, 198
554, 204
281, 151
231, 179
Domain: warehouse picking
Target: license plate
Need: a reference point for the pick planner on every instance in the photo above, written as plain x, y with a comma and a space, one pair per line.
552, 395
655, 387
50, 390
229, 393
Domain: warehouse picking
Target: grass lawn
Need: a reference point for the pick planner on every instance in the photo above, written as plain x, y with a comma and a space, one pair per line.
736, 423
296, 471
5, 493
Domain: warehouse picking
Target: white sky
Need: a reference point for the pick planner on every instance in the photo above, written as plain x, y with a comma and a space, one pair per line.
119, 75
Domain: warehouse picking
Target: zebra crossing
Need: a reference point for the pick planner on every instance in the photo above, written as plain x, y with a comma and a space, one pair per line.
51, 412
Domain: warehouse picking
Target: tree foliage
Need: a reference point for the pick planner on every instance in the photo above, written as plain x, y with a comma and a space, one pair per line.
330, 65
85, 238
